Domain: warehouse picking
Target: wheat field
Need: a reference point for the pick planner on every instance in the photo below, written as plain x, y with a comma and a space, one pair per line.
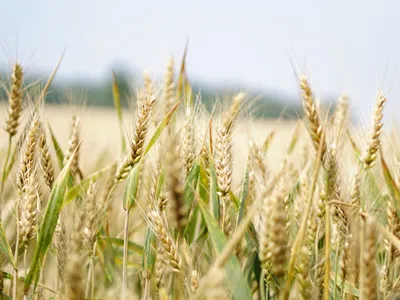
167, 201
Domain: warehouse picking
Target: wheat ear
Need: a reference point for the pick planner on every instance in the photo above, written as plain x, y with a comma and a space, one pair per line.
370, 152
15, 100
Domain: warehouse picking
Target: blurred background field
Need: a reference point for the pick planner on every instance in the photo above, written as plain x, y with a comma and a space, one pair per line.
99, 126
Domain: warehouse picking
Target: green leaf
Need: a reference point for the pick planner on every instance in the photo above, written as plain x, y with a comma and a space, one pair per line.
161, 128
131, 245
12, 162
49, 223
353, 144
117, 105
57, 148
248, 267
374, 189
295, 138
107, 257
348, 287
7, 275
131, 187
214, 192
188, 94
81, 188
234, 200
5, 246
191, 184
393, 189
268, 141
18, 146
243, 196
190, 228
149, 254
5, 296
160, 184
236, 281
182, 72
42, 96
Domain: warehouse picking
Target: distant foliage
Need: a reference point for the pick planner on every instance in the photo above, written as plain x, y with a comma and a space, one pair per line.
100, 94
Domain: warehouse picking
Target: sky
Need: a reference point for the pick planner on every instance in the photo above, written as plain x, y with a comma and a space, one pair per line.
343, 46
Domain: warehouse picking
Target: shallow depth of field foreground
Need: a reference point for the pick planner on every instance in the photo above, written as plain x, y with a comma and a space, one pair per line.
169, 201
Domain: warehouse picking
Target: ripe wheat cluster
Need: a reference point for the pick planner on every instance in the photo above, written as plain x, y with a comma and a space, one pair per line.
165, 221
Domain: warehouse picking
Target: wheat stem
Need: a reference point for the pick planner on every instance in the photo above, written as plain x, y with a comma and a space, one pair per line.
4, 174
125, 255
327, 260
298, 242
15, 275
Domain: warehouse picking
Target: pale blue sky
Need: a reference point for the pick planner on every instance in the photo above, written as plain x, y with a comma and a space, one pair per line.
350, 46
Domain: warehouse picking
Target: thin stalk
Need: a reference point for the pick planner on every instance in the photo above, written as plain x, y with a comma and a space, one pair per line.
125, 255
25, 266
262, 285
4, 175
90, 278
336, 270
173, 286
92, 267
389, 269
15, 275
25, 259
327, 259
42, 270
58, 277
361, 241
146, 290
298, 242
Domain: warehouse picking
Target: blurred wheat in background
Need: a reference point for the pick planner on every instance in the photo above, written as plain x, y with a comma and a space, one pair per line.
170, 200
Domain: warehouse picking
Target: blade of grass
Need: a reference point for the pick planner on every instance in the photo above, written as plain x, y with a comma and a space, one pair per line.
107, 256
237, 283
268, 141
353, 144
42, 96
213, 192
7, 275
131, 245
191, 226
393, 189
49, 223
248, 267
295, 138
81, 188
161, 128
129, 200
149, 253
191, 184
182, 72
118, 110
188, 94
57, 147
5, 247
131, 187
243, 196
160, 184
